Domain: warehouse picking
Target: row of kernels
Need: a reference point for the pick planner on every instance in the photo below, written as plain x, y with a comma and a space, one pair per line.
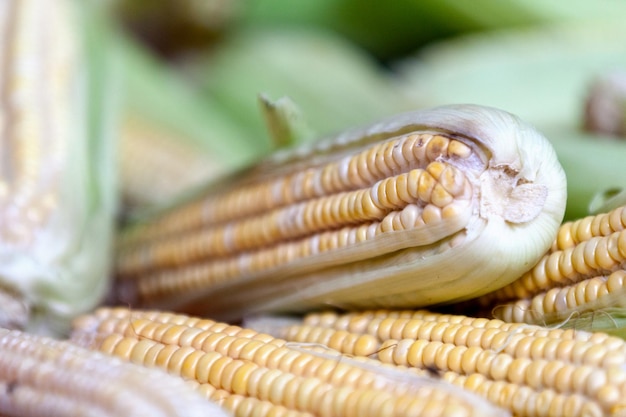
357, 171
572, 233
525, 401
596, 255
247, 378
340, 340
585, 295
200, 274
605, 386
310, 217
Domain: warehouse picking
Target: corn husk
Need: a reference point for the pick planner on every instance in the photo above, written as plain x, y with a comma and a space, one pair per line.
172, 138
335, 84
391, 30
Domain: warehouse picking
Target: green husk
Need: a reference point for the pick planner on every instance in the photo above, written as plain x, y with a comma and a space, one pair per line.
607, 200
173, 138
540, 74
593, 164
335, 84
285, 122
610, 320
390, 29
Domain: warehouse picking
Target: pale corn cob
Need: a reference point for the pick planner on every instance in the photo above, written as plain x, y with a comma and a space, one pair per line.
370, 218
170, 146
531, 370
156, 167
55, 189
582, 273
258, 366
42, 376
605, 106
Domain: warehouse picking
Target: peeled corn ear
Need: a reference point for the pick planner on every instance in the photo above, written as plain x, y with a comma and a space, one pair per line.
56, 183
424, 208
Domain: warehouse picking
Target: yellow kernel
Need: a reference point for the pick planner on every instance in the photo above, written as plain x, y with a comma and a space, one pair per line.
458, 149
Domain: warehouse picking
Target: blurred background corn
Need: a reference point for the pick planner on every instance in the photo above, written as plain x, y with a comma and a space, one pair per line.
56, 163
42, 376
171, 139
605, 106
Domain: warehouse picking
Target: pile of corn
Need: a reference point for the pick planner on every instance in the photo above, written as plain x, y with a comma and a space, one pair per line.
161, 256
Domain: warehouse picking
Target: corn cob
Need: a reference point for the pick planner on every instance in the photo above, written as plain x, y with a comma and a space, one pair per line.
56, 191
583, 273
531, 370
368, 219
244, 363
43, 376
605, 106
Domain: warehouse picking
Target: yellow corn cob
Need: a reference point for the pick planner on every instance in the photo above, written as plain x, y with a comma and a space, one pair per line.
531, 370
369, 218
582, 273
253, 365
41, 376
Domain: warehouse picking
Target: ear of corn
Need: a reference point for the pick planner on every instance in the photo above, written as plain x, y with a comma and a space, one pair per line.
43, 376
530, 370
56, 179
579, 283
369, 218
243, 364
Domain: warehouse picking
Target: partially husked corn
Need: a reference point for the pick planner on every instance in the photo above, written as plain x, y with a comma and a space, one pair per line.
366, 219
297, 377
42, 376
531, 370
